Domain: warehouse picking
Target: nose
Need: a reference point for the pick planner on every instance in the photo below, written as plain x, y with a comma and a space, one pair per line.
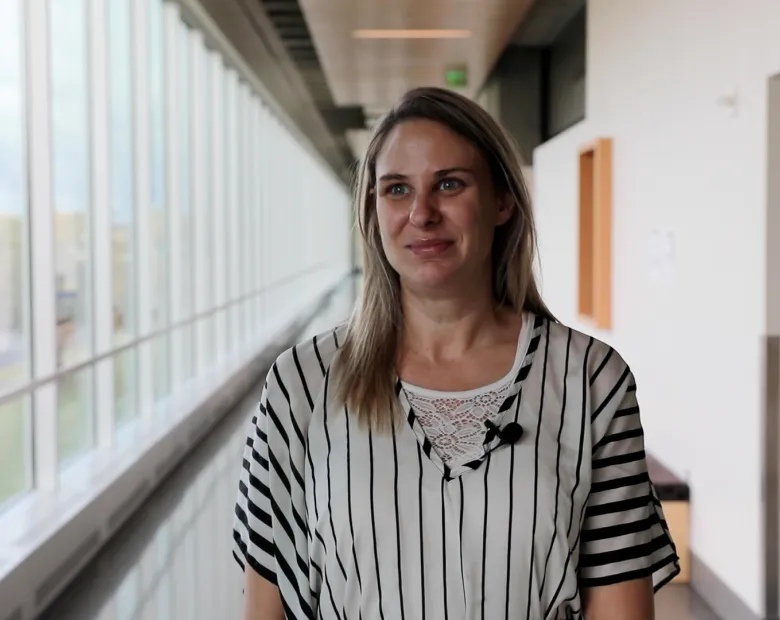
424, 210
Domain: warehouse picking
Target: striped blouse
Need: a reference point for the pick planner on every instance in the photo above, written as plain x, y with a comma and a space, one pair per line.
356, 525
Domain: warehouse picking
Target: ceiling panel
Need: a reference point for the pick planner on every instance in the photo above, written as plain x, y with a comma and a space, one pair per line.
373, 72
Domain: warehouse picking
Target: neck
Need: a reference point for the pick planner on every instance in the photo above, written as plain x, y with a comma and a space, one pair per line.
447, 327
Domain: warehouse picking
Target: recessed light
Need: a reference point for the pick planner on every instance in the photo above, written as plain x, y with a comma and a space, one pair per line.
411, 34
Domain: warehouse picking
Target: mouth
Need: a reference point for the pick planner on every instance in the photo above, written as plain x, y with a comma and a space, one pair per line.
429, 247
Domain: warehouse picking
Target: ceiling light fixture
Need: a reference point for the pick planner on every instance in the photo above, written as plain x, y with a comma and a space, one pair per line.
411, 34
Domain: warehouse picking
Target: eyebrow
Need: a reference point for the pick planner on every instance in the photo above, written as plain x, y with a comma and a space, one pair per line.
396, 176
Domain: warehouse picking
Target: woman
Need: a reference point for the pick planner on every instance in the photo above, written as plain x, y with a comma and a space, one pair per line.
453, 452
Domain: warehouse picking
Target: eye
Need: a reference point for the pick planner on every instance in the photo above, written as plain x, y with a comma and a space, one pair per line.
397, 189
450, 185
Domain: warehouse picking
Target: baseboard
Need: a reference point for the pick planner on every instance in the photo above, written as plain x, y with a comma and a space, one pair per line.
717, 595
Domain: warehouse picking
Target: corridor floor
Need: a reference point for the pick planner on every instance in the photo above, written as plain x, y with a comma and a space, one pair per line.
172, 561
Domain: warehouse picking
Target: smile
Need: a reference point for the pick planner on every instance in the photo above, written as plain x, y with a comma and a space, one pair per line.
429, 247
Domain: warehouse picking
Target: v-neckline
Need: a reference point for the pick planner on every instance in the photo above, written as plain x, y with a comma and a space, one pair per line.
511, 403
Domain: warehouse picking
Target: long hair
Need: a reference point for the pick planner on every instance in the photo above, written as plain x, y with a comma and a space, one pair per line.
366, 367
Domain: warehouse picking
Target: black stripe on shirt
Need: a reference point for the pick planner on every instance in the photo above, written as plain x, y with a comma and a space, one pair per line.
510, 521
293, 419
558, 463
257, 512
619, 459
602, 365
583, 418
349, 502
422, 546
444, 551
484, 534
460, 537
629, 575
327, 461
622, 529
317, 353
536, 473
627, 411
623, 505
263, 571
302, 377
256, 539
619, 483
373, 522
398, 526
615, 389
255, 482
621, 436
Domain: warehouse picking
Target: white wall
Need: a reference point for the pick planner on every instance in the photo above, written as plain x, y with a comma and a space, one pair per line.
693, 170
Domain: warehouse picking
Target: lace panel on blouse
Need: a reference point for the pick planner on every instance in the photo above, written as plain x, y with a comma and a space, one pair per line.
455, 424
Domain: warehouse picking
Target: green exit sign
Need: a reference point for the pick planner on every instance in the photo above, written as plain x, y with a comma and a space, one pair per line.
457, 77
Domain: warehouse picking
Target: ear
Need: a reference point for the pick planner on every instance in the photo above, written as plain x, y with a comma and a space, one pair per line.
505, 208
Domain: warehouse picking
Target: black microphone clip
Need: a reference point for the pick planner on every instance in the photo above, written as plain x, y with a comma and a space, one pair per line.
510, 434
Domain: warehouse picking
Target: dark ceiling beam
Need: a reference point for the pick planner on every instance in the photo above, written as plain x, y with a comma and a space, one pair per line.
545, 21
341, 119
281, 6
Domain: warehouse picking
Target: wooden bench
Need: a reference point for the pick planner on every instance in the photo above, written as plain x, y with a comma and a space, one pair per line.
675, 500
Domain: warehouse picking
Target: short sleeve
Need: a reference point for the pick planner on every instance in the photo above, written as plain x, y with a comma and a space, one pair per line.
253, 523
624, 534
269, 528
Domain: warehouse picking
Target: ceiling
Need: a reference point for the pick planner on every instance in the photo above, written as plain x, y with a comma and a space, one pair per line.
331, 83
373, 73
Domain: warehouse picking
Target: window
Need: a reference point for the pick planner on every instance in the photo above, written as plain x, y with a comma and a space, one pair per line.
595, 232
159, 245
15, 444
14, 274
75, 423
125, 401
71, 180
159, 263
179, 220
205, 211
162, 379
186, 221
121, 167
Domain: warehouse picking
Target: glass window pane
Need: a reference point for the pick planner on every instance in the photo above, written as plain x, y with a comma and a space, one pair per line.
15, 448
71, 179
159, 245
127, 596
121, 166
14, 330
184, 159
188, 367
206, 250
161, 370
76, 430
125, 406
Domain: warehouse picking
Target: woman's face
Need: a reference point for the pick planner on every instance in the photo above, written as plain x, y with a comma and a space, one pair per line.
437, 208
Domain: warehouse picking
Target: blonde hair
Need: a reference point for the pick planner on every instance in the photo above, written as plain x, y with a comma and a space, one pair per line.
366, 368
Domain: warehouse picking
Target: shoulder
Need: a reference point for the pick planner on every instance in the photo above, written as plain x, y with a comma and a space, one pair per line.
607, 378
608, 383
600, 362
298, 373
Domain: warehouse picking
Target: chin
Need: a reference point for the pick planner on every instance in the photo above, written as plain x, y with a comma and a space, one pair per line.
430, 276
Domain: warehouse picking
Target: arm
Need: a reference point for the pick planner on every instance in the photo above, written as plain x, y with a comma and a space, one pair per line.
269, 537
261, 598
629, 600
626, 551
